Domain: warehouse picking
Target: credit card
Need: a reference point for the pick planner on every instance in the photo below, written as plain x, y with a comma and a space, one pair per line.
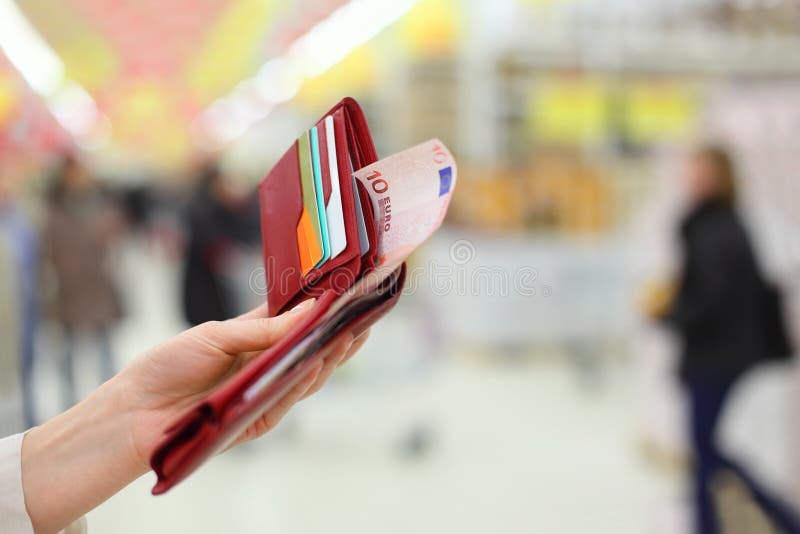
319, 198
309, 238
333, 210
363, 238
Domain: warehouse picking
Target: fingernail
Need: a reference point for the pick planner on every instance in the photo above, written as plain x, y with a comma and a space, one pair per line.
306, 304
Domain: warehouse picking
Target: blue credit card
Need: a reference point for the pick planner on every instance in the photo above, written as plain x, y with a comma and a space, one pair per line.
323, 220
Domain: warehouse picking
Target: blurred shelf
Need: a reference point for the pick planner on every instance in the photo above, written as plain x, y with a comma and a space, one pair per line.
664, 52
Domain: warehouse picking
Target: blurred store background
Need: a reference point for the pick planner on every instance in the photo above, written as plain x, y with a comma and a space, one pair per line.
518, 388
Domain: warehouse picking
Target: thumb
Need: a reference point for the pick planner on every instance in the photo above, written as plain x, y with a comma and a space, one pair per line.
235, 336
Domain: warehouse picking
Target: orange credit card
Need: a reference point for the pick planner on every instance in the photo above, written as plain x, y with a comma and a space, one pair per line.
309, 235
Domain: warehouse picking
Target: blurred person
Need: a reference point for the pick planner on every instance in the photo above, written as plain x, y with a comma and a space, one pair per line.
729, 319
57, 472
22, 257
221, 218
82, 222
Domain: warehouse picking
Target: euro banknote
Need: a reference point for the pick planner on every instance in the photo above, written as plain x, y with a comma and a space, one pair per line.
410, 192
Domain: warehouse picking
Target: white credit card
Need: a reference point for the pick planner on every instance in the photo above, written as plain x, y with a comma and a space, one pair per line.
333, 210
363, 239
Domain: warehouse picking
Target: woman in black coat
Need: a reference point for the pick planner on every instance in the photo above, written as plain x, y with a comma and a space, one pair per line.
724, 313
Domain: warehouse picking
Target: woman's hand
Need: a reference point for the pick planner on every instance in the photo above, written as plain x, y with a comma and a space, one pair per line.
79, 459
166, 381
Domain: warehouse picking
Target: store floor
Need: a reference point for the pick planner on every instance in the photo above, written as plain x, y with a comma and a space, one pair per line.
459, 440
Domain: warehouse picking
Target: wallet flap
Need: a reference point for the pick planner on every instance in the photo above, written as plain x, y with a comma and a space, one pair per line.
358, 129
281, 204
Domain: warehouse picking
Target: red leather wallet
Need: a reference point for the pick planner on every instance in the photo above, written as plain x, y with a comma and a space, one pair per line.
351, 295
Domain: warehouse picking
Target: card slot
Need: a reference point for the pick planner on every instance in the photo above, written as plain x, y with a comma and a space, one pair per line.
286, 234
352, 143
338, 280
351, 250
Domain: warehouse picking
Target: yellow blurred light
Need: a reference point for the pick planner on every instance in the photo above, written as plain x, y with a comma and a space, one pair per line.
357, 72
229, 52
9, 94
88, 57
569, 110
89, 61
431, 27
660, 111
145, 117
